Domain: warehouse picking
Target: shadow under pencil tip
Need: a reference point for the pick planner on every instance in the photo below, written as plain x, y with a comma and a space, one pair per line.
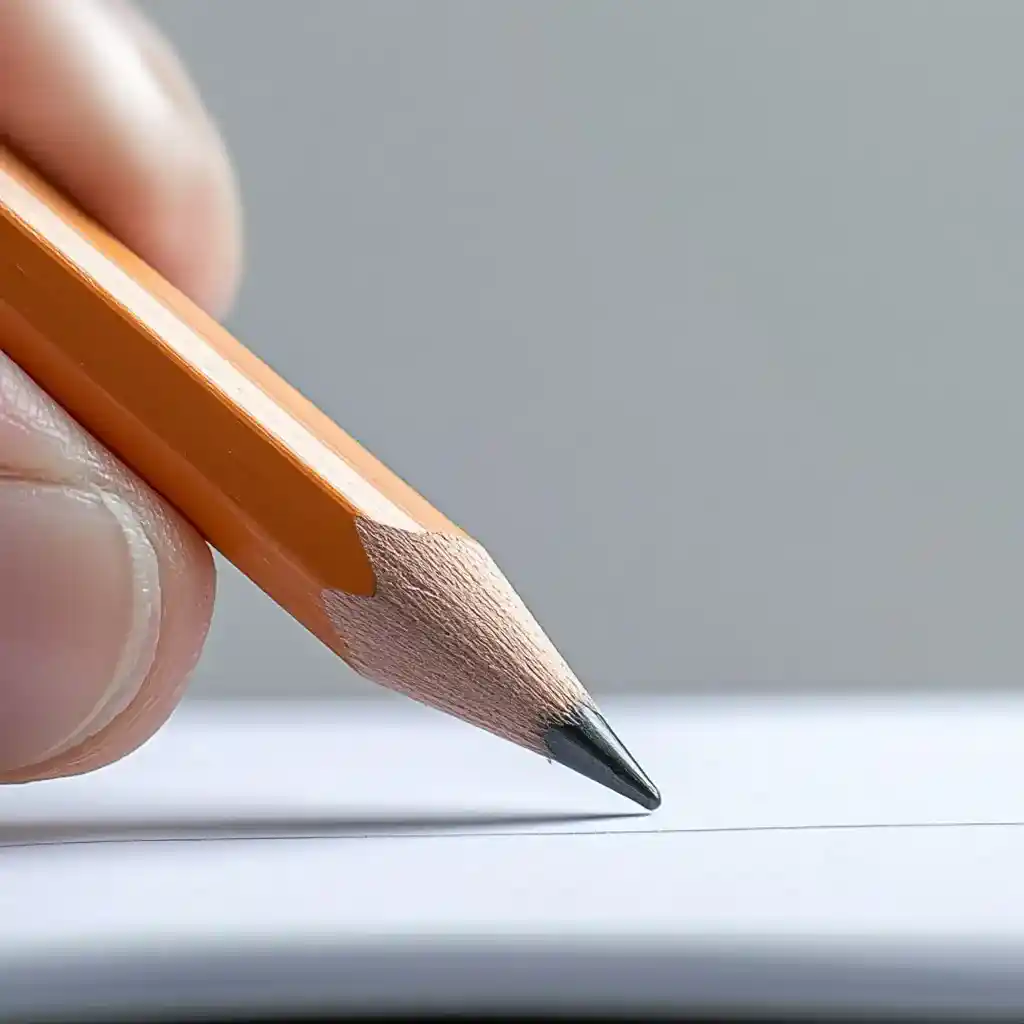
185, 828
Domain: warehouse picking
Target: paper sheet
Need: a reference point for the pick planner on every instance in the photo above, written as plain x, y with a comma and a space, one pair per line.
844, 832
337, 770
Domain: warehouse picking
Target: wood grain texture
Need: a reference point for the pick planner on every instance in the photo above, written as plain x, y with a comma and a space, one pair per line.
332, 535
459, 637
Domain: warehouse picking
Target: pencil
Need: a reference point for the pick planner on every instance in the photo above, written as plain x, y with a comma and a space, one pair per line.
346, 547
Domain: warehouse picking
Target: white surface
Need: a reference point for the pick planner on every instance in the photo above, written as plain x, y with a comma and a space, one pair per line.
820, 832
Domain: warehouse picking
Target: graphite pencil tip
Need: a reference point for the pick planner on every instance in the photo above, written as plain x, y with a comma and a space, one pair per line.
587, 745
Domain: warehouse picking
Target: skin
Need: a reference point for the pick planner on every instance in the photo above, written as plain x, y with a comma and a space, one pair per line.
105, 592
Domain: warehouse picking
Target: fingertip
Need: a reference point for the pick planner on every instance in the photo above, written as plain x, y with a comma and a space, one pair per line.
106, 595
98, 100
184, 217
186, 622
108, 734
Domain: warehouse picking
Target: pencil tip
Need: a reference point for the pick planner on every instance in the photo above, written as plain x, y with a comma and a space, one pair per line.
587, 745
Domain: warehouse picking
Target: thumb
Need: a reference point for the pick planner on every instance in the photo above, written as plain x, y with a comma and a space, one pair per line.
105, 594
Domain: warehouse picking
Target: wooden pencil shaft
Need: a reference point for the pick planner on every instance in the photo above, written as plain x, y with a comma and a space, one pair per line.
267, 478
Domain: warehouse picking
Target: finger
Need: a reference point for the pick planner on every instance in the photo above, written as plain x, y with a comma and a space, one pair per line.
105, 592
105, 595
96, 98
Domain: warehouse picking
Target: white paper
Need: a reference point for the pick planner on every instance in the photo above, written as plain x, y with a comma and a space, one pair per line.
362, 770
888, 825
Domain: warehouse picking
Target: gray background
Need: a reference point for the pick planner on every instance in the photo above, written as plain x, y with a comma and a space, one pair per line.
706, 318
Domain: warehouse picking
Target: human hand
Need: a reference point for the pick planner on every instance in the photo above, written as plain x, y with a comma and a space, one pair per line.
105, 591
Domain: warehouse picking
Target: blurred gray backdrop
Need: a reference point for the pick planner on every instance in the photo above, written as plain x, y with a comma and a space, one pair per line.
706, 318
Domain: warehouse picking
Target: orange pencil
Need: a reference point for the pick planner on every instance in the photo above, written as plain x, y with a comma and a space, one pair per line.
346, 547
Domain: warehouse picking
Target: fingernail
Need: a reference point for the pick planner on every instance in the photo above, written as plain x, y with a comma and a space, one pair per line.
79, 616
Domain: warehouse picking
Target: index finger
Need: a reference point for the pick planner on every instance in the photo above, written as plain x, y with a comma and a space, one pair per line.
94, 96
